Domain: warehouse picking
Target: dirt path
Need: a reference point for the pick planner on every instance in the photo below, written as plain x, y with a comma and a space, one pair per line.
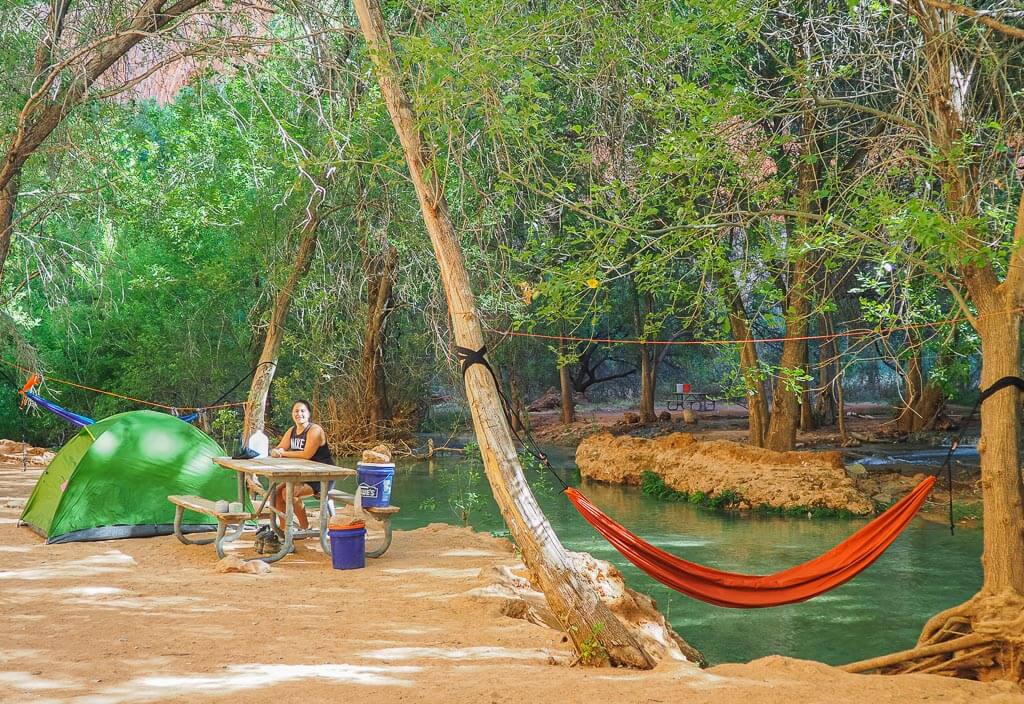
151, 620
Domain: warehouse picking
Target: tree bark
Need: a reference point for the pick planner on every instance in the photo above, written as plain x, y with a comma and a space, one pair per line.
922, 401
785, 415
750, 366
565, 387
995, 611
642, 306
999, 449
587, 620
255, 409
380, 271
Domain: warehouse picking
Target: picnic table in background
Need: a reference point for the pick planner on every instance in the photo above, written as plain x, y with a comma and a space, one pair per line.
684, 397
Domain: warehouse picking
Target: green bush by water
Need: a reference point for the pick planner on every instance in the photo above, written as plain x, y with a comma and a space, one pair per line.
730, 499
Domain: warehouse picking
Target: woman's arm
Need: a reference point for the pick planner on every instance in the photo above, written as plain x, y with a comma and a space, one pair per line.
281, 446
314, 439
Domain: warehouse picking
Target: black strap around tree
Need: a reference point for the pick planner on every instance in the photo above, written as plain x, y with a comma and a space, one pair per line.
986, 394
467, 359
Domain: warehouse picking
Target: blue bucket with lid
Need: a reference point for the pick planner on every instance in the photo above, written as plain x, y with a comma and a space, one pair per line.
348, 547
375, 483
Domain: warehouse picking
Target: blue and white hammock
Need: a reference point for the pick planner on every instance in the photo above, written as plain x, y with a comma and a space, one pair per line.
75, 418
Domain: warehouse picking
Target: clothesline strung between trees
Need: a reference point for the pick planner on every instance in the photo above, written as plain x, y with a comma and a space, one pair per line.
860, 332
154, 404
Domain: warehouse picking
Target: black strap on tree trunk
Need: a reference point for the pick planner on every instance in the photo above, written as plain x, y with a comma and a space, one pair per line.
467, 359
986, 394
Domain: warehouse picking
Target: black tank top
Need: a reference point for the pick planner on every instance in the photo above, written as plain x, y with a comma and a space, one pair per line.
297, 441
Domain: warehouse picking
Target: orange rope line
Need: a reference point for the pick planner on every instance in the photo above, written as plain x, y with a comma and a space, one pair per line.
861, 332
122, 396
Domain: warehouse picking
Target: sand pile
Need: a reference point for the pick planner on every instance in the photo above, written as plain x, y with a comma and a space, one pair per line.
782, 480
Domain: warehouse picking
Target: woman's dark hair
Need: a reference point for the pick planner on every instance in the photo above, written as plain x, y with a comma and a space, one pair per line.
307, 404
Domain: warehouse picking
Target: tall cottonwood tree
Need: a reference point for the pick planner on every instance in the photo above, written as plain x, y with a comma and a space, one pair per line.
960, 107
77, 46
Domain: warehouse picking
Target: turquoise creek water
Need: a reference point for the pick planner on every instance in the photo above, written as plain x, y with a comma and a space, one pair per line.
880, 611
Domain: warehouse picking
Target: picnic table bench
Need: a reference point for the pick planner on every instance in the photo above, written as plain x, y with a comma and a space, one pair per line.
209, 508
382, 514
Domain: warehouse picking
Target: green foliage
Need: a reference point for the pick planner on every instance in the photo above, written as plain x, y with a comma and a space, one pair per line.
612, 172
653, 485
227, 428
729, 499
591, 649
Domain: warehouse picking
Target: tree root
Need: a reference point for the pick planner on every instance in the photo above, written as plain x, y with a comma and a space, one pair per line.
981, 639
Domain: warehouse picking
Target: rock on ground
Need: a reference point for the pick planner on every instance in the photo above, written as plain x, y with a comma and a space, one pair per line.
236, 564
760, 477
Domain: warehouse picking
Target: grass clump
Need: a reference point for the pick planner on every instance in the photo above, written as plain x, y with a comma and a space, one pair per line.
653, 485
729, 499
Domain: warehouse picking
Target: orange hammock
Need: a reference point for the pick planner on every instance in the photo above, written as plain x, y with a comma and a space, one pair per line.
835, 567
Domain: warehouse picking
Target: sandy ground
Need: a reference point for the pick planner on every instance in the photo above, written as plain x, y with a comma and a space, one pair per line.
151, 620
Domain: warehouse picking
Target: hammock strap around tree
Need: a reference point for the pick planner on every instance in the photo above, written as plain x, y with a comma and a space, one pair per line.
730, 589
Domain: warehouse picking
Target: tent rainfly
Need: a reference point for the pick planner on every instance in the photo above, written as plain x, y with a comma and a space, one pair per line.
112, 480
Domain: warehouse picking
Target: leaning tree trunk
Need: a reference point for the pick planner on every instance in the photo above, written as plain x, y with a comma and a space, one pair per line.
255, 409
588, 622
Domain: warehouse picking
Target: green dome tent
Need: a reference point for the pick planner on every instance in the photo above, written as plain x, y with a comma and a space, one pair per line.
112, 480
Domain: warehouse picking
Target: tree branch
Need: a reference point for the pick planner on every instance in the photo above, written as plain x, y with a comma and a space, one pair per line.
979, 16
881, 114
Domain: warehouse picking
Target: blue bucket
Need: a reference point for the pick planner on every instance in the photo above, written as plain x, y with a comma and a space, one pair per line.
375, 483
348, 547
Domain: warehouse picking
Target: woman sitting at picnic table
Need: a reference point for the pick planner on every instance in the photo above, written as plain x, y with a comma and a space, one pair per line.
307, 441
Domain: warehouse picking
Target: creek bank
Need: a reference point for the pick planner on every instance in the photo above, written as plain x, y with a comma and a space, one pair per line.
752, 477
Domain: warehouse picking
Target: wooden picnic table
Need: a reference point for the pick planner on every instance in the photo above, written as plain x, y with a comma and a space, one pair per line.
694, 400
288, 471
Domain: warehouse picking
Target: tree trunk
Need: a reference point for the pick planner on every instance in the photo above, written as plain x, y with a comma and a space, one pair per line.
788, 393
807, 420
785, 416
642, 306
829, 369
923, 401
999, 449
565, 385
8, 199
380, 271
993, 617
648, 381
521, 414
255, 409
588, 622
750, 366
